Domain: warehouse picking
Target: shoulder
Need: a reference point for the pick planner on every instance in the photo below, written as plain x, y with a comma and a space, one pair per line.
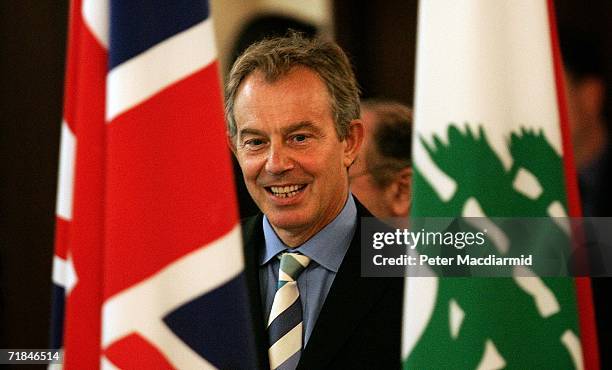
373, 222
252, 228
362, 211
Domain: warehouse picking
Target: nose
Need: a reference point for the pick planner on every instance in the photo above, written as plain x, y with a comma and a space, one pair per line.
278, 160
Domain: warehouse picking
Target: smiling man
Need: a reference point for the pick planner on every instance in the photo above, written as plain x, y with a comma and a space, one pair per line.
292, 159
292, 108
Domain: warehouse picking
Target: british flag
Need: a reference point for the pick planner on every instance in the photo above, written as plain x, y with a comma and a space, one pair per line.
148, 270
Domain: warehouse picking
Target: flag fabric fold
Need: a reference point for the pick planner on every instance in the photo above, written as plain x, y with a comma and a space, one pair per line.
489, 142
148, 269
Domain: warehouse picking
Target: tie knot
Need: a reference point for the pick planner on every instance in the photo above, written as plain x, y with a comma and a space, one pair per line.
292, 265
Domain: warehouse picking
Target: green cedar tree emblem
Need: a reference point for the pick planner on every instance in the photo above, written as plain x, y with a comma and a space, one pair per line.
479, 317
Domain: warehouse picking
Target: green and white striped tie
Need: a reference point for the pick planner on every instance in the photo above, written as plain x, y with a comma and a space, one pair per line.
285, 323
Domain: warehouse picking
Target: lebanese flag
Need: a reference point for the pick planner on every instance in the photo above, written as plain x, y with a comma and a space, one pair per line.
492, 140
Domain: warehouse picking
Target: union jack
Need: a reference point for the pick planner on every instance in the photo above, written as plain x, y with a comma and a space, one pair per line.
148, 268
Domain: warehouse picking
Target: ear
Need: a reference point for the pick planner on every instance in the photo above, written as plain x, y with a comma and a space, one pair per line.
353, 142
591, 92
231, 143
400, 193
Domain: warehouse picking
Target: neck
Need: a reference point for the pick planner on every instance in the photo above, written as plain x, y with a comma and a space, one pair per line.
295, 237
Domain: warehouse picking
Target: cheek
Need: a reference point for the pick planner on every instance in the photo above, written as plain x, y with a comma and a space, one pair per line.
322, 165
250, 166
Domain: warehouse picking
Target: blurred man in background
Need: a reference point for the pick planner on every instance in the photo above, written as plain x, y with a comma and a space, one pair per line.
586, 93
381, 175
586, 100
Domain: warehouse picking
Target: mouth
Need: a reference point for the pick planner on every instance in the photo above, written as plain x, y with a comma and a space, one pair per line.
286, 191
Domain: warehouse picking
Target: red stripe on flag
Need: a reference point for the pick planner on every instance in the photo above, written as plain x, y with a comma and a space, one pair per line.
571, 183
169, 180
62, 237
85, 112
588, 336
135, 352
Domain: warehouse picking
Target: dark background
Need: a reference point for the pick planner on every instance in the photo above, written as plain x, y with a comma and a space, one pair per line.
379, 36
33, 39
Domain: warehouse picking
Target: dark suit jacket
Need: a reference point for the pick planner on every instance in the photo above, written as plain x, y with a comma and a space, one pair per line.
359, 326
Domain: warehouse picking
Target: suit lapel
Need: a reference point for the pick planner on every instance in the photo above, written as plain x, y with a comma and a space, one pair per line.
349, 299
253, 237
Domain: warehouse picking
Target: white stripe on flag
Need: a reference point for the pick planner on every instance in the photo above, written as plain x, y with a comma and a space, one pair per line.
95, 15
105, 364
143, 76
423, 290
65, 185
180, 355
59, 271
64, 274
141, 307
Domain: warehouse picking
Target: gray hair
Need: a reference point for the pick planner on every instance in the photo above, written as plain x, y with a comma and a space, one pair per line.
275, 58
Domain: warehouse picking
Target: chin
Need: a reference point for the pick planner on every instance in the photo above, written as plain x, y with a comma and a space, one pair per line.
286, 220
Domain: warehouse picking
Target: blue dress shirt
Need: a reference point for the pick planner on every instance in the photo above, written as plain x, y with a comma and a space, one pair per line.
326, 250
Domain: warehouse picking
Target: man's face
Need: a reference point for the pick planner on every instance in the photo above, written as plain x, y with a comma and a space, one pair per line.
294, 164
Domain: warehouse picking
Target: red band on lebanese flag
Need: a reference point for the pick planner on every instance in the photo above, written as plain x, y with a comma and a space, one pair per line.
584, 295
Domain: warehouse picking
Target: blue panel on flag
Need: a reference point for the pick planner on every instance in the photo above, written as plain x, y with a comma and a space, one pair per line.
137, 25
58, 296
217, 325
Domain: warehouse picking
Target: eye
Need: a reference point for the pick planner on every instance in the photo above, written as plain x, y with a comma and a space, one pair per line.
253, 143
300, 138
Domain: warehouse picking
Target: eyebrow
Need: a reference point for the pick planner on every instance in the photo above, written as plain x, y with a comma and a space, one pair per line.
250, 131
302, 125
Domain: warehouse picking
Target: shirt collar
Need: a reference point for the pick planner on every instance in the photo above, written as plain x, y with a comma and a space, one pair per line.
339, 233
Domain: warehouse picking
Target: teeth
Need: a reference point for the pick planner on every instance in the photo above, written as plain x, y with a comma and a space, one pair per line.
286, 195
285, 191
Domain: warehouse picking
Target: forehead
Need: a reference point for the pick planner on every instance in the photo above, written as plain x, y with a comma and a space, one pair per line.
299, 95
